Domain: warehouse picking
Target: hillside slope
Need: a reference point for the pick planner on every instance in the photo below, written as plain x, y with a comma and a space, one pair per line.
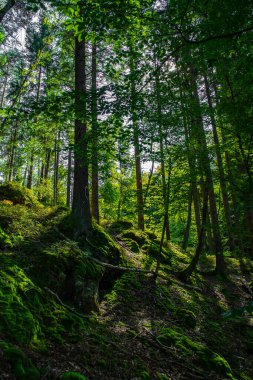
63, 315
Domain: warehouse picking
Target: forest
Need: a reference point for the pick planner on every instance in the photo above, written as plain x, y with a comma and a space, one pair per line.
126, 189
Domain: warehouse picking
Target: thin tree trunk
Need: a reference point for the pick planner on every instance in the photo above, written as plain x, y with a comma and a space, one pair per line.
159, 115
81, 204
30, 171
185, 274
12, 152
94, 180
68, 200
192, 168
136, 149
188, 223
56, 167
204, 161
221, 170
47, 163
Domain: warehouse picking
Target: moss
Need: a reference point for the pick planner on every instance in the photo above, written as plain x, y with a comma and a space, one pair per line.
144, 375
17, 194
123, 290
16, 289
153, 249
104, 245
22, 367
73, 376
161, 376
137, 236
5, 240
209, 359
187, 317
121, 225
131, 244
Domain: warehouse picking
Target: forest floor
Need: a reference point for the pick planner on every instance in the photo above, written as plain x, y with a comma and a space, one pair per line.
144, 328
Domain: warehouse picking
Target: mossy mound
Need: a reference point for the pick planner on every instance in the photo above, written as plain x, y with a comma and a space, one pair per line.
29, 315
124, 289
135, 235
187, 317
209, 359
73, 376
16, 194
22, 367
131, 244
69, 273
103, 245
153, 249
17, 291
120, 225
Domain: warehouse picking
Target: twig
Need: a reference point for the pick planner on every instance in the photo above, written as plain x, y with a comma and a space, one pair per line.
66, 306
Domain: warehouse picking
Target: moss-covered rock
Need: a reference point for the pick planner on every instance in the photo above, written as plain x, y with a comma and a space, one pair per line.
17, 194
69, 273
120, 225
73, 376
103, 245
22, 367
16, 291
135, 235
187, 317
209, 359
131, 244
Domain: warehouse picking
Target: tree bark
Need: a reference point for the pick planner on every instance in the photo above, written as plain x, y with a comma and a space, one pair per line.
140, 207
221, 170
81, 204
203, 157
94, 176
188, 223
159, 116
185, 274
69, 178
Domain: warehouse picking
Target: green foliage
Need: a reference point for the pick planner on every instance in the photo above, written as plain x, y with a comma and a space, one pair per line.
73, 376
211, 360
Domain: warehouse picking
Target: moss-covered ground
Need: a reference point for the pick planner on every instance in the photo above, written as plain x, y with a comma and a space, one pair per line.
63, 316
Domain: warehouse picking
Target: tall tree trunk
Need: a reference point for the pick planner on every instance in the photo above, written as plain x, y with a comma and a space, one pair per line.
159, 117
191, 157
69, 178
81, 204
94, 176
12, 152
221, 170
56, 167
140, 208
30, 171
47, 163
200, 139
186, 273
188, 222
